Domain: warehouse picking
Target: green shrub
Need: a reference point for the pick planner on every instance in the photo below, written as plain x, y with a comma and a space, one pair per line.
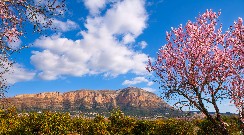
80, 125
120, 124
206, 127
55, 123
9, 122
12, 123
98, 126
233, 124
30, 123
143, 127
175, 126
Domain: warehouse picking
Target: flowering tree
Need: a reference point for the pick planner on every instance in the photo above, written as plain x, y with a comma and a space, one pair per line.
236, 41
15, 15
202, 65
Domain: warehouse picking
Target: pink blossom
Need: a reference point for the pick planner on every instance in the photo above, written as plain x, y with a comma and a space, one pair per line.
199, 59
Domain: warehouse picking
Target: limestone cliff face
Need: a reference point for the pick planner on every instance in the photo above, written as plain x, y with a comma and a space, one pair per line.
89, 100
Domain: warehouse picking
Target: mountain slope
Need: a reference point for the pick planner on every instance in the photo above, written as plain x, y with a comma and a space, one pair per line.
131, 100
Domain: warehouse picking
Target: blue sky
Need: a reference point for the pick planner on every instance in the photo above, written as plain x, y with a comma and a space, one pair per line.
105, 44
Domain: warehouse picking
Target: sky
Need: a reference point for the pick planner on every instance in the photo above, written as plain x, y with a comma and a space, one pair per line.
105, 44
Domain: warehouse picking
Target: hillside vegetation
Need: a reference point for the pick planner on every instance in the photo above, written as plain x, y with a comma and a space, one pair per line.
53, 123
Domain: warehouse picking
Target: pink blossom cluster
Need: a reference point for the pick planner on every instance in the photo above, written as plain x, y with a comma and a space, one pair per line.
200, 62
9, 21
14, 13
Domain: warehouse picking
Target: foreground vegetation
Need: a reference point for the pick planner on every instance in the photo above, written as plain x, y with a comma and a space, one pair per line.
12, 123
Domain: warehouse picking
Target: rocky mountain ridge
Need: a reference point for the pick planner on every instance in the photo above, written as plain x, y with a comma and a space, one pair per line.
131, 100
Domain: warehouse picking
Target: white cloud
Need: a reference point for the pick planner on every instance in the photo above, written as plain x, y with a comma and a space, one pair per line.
67, 57
101, 51
149, 89
143, 44
94, 6
64, 26
137, 80
15, 44
128, 38
150, 83
127, 16
17, 73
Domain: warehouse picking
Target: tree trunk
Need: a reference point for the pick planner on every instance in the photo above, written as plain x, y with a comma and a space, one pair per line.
218, 125
241, 118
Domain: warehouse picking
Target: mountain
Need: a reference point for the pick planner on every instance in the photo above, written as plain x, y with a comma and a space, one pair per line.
131, 100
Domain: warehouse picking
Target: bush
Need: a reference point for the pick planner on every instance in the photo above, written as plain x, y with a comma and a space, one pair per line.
98, 126
143, 127
55, 123
120, 124
206, 127
175, 126
12, 123
80, 125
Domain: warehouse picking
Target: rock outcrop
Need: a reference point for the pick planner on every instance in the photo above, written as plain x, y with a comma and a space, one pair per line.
131, 100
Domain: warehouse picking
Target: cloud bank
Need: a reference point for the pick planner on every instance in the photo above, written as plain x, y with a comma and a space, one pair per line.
103, 48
